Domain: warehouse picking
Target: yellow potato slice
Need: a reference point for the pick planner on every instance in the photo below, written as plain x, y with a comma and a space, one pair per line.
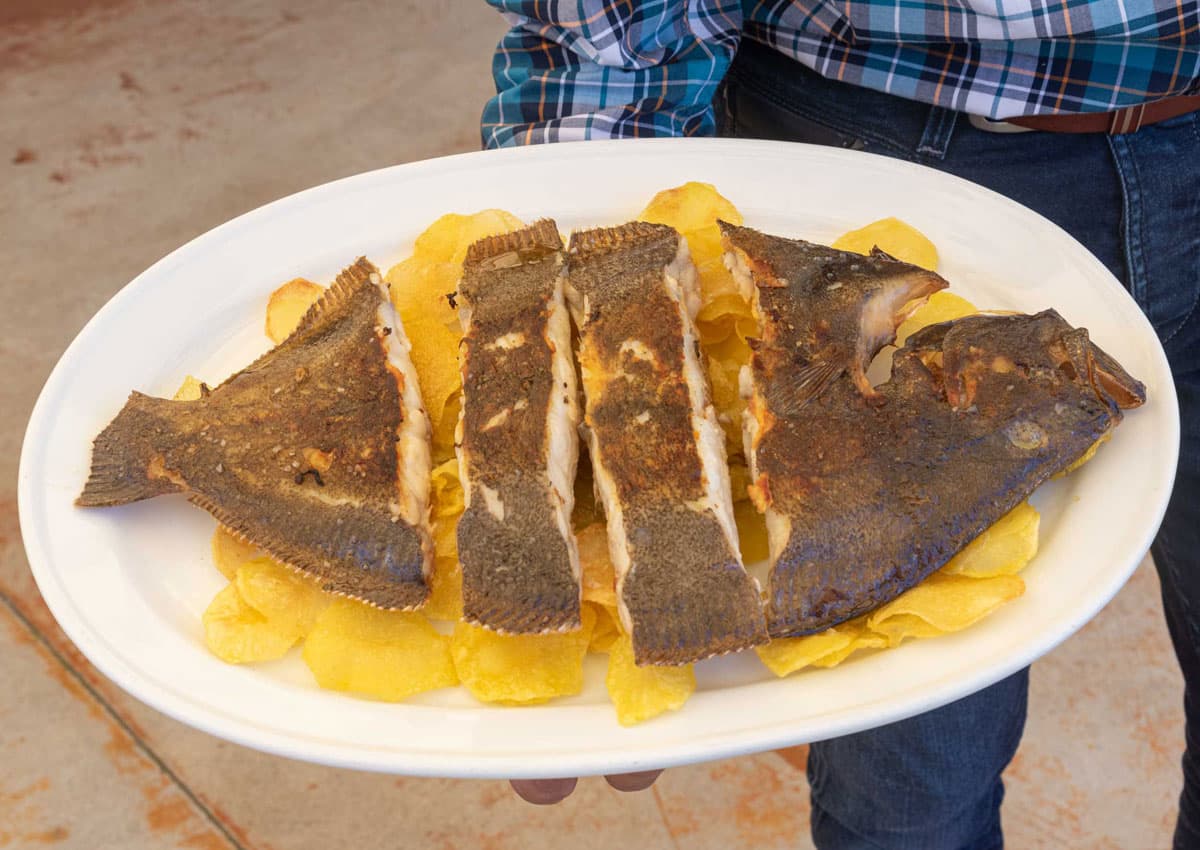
288, 600
229, 552
238, 634
607, 627
443, 430
287, 306
901, 240
1085, 457
640, 693
1003, 549
448, 238
941, 307
942, 604
435, 357
388, 655
752, 531
445, 600
599, 578
692, 206
521, 669
420, 290
447, 489
189, 390
784, 656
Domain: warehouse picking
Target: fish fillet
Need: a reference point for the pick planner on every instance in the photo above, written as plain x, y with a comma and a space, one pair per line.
318, 452
518, 441
867, 490
656, 448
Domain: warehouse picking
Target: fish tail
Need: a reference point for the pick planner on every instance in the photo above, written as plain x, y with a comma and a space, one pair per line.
124, 455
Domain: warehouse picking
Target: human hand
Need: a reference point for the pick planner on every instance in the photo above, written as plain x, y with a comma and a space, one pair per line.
547, 792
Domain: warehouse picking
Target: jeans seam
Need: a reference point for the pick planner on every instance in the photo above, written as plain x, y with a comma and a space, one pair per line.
782, 100
1135, 256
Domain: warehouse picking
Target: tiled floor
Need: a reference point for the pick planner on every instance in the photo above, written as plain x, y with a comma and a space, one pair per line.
129, 127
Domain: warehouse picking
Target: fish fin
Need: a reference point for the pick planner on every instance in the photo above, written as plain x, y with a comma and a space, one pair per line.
542, 235
352, 278
124, 454
587, 244
800, 386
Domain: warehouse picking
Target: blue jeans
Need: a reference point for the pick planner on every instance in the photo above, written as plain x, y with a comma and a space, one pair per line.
933, 782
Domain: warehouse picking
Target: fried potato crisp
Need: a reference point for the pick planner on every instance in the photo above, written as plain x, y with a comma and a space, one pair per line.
288, 600
229, 551
422, 289
941, 307
521, 669
829, 648
599, 577
893, 236
693, 210
287, 306
942, 604
640, 693
607, 627
189, 390
238, 634
388, 655
1003, 549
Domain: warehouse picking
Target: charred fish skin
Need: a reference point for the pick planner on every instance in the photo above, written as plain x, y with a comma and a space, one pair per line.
518, 445
318, 452
866, 495
656, 448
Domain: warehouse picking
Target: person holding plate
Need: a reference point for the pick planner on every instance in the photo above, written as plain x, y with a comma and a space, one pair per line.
1086, 112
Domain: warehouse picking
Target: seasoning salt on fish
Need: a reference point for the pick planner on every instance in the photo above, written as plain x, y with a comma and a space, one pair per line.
518, 440
318, 452
656, 448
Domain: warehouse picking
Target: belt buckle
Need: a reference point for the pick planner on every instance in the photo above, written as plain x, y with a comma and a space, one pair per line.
990, 126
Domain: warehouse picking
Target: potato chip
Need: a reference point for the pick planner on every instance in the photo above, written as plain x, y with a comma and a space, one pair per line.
607, 627
420, 291
238, 634
445, 600
443, 430
447, 489
388, 655
230, 552
692, 206
435, 357
1085, 457
941, 307
189, 390
752, 532
784, 656
599, 578
640, 693
448, 238
288, 600
1003, 549
901, 240
521, 669
942, 604
287, 306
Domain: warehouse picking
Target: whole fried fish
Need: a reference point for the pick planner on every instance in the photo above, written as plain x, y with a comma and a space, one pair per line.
518, 443
868, 490
656, 449
318, 452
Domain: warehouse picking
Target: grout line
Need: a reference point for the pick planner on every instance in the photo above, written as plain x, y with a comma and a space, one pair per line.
123, 724
663, 815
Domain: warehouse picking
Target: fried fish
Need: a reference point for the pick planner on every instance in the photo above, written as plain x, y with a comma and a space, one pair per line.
868, 490
318, 452
518, 442
656, 448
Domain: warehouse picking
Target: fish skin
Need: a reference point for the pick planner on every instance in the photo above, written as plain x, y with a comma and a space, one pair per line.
325, 405
682, 590
879, 492
520, 571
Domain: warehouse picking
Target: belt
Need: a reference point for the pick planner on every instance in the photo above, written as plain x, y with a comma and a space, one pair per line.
1127, 120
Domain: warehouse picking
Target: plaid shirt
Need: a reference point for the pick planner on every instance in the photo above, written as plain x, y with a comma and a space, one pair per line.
624, 68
